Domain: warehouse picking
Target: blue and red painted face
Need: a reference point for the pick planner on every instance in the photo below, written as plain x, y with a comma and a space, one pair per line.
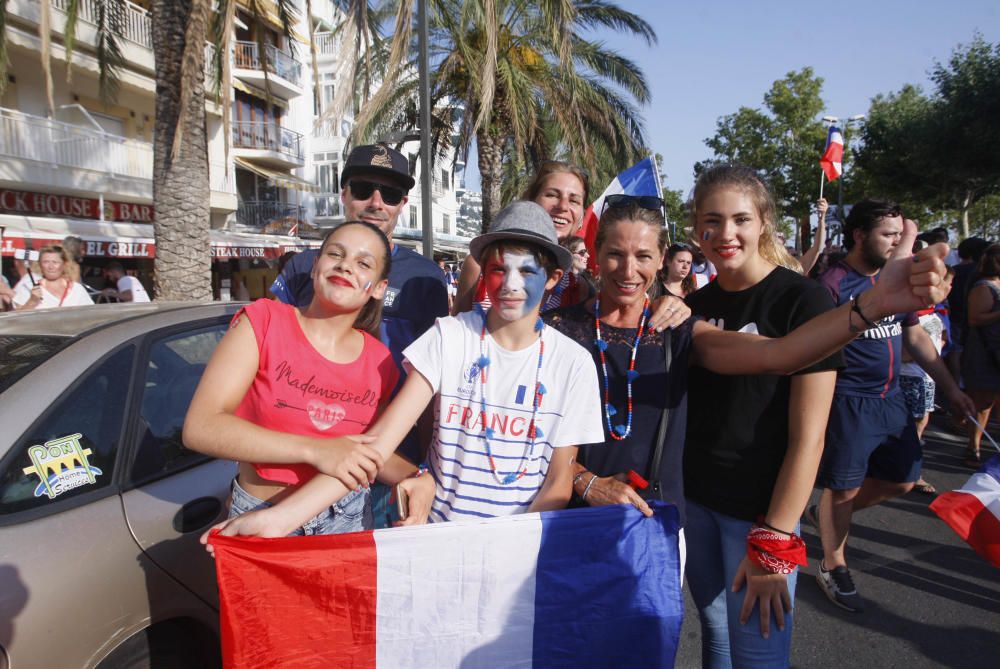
515, 283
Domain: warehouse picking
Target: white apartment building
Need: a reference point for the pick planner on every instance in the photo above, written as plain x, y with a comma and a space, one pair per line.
86, 169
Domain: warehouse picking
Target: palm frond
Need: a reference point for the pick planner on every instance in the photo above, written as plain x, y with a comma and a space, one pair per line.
45, 33
110, 21
69, 35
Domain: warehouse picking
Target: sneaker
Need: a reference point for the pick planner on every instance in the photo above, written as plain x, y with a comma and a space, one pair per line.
839, 588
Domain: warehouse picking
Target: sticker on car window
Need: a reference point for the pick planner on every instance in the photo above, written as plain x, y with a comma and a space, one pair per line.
61, 464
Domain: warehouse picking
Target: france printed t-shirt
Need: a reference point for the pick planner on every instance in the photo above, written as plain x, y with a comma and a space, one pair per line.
298, 391
738, 425
447, 356
873, 359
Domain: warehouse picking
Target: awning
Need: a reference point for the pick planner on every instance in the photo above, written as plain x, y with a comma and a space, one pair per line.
258, 92
269, 11
134, 240
280, 179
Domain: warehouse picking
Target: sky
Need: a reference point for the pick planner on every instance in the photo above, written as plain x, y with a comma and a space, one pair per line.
715, 56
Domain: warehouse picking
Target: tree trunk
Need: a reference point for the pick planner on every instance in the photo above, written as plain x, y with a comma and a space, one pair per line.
490, 151
805, 234
964, 221
183, 266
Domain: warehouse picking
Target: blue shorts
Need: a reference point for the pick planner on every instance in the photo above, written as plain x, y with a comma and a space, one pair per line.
353, 513
918, 392
869, 437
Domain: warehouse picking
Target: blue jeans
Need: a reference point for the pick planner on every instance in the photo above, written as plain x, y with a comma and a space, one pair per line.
716, 544
353, 513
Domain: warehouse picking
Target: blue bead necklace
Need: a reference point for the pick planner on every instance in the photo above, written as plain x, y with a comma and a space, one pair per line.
534, 432
618, 432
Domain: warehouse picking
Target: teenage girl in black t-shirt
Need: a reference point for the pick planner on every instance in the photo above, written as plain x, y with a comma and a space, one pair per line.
754, 442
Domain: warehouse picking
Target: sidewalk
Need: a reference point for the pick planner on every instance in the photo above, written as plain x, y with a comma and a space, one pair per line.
930, 600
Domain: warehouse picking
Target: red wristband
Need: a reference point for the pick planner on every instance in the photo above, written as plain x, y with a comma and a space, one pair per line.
773, 553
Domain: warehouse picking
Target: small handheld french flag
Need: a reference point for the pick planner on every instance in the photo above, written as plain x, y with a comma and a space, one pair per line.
973, 510
833, 156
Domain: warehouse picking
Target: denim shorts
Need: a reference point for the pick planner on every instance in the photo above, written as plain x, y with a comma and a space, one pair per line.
353, 513
918, 391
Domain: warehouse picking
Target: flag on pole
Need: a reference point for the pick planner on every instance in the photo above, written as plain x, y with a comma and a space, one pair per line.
643, 178
973, 510
595, 587
833, 156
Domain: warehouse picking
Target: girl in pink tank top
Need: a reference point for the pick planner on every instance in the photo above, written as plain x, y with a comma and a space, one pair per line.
286, 384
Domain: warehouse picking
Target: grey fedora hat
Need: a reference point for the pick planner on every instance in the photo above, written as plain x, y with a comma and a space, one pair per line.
523, 221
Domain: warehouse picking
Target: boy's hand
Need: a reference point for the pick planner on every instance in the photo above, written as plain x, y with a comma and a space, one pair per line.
420, 495
348, 459
667, 311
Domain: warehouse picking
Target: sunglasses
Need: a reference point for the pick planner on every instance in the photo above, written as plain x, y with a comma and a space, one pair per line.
581, 253
363, 190
620, 200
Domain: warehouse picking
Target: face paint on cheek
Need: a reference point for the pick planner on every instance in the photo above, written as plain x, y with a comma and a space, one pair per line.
705, 235
368, 286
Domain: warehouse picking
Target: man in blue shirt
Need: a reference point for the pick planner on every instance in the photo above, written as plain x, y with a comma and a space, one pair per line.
373, 187
872, 451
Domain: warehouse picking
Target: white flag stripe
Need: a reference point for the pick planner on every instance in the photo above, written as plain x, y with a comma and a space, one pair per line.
432, 590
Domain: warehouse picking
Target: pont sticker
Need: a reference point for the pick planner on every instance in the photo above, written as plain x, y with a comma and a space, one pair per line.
61, 465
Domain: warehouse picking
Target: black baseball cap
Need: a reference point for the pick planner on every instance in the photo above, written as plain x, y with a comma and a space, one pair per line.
377, 159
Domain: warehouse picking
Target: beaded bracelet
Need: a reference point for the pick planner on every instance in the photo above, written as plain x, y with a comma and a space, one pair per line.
421, 468
587, 489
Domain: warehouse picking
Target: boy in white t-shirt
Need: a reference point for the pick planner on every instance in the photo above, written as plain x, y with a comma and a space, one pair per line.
127, 288
513, 398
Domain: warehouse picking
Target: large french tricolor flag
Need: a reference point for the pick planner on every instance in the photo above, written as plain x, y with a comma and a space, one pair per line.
973, 510
833, 156
643, 178
596, 587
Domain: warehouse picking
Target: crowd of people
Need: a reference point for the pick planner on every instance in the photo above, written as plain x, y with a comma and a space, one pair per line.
708, 375
723, 376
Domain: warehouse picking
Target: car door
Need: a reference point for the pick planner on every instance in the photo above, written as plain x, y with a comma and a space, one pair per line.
171, 494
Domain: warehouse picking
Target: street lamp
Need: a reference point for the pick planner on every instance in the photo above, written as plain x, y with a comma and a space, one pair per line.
832, 120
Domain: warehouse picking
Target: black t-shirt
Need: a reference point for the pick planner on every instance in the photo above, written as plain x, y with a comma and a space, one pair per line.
738, 425
653, 390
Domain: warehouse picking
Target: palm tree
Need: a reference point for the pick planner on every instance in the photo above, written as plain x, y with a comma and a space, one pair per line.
520, 79
182, 268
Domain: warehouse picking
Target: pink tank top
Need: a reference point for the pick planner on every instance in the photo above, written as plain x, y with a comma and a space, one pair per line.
298, 391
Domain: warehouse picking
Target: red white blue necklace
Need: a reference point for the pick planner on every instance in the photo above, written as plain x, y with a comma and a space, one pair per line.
534, 432
618, 432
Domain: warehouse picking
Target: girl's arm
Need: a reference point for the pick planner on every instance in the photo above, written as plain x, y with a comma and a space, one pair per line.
980, 307
467, 281
558, 486
808, 411
906, 283
211, 426
322, 491
809, 258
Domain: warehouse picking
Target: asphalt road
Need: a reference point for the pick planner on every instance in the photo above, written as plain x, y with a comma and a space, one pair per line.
930, 600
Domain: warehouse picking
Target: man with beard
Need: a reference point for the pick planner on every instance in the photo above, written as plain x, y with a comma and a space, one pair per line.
872, 451
373, 188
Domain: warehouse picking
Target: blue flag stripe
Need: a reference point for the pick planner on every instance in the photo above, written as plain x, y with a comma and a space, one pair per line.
608, 588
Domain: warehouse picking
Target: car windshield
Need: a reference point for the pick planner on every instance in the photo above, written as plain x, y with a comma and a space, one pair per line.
19, 354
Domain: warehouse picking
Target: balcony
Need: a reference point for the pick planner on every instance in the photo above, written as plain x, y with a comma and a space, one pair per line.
268, 143
136, 23
327, 45
272, 218
85, 159
285, 73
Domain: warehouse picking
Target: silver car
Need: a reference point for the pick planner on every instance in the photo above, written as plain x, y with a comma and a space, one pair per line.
101, 506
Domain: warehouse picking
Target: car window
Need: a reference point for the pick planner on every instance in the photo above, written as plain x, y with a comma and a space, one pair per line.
172, 374
72, 449
19, 354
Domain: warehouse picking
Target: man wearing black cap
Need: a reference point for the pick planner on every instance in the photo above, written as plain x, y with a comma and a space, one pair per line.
373, 188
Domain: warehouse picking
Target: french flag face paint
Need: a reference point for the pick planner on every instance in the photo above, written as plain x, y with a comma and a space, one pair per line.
368, 286
515, 283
